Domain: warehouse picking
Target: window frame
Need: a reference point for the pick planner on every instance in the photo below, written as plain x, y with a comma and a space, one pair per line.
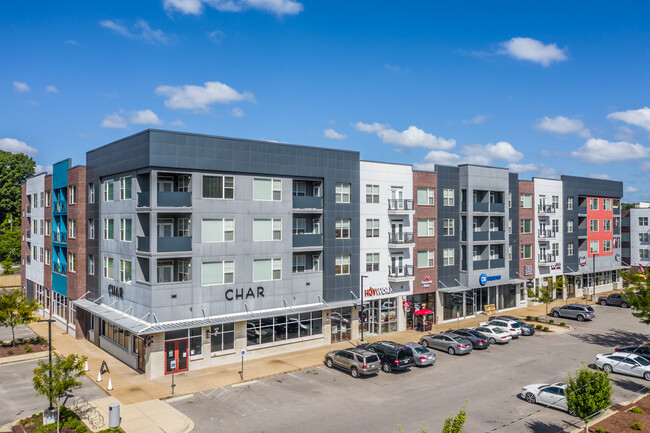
430, 199
227, 192
373, 194
448, 197
341, 193
341, 264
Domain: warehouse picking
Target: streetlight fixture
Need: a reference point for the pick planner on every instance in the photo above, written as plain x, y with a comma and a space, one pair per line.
362, 316
49, 334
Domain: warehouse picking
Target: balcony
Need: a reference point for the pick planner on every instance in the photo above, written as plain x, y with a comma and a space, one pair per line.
60, 237
617, 211
582, 232
400, 206
59, 207
497, 263
28, 235
480, 206
546, 259
59, 268
497, 207
307, 242
144, 199
307, 202
400, 273
546, 234
29, 210
481, 236
545, 209
174, 244
582, 210
174, 199
400, 240
142, 244
497, 235
480, 264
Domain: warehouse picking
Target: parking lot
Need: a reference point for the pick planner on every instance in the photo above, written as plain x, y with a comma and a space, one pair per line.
326, 400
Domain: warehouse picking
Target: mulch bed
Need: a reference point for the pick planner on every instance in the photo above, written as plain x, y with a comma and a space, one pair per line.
19, 349
623, 419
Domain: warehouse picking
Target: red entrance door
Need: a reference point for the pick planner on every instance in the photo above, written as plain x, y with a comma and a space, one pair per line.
176, 355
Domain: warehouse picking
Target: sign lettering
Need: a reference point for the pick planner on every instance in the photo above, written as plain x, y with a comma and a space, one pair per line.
115, 291
237, 294
378, 291
483, 279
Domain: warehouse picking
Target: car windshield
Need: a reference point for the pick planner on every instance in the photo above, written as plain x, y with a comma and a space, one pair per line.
641, 360
372, 358
420, 350
515, 325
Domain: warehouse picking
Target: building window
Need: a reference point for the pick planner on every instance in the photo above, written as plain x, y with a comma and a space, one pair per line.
555, 202
526, 201
213, 273
219, 187
299, 226
108, 228
607, 246
183, 270
126, 230
555, 248
607, 204
108, 267
342, 264
643, 237
48, 198
448, 197
117, 335
299, 261
593, 247
342, 228
448, 257
40, 255
125, 188
509, 252
607, 225
35, 253
91, 264
426, 197
426, 259
372, 193
72, 228
72, 194
222, 337
267, 229
281, 328
91, 193
372, 228
526, 252
643, 221
300, 189
40, 223
510, 200
183, 227
91, 229
643, 254
315, 262
267, 189
593, 203
342, 192
125, 271
569, 249
48, 227
448, 227
267, 269
526, 226
48, 256
426, 227
372, 262
593, 224
569, 226
569, 203
165, 271
219, 230
108, 190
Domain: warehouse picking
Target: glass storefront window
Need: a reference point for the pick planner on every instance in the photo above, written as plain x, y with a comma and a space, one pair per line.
196, 341
282, 328
222, 337
425, 301
452, 303
341, 320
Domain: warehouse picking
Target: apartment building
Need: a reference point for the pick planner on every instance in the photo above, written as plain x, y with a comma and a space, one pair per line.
549, 233
636, 235
526, 226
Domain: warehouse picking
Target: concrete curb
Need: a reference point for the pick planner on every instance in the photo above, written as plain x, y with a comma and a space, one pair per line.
24, 357
609, 412
7, 427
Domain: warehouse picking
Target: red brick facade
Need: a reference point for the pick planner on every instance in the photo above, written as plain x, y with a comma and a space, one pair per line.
526, 266
422, 179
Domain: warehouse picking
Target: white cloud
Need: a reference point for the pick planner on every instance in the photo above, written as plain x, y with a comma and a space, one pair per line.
369, 128
139, 30
144, 117
216, 36
16, 146
40, 169
599, 151
442, 157
238, 112
51, 89
332, 134
503, 151
21, 86
114, 120
631, 189
71, 42
477, 120
392, 68
542, 170
411, 137
199, 98
624, 133
533, 50
563, 125
600, 176
640, 117
177, 122
645, 166
195, 7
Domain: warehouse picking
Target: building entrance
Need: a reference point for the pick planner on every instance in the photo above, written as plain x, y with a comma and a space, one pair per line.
176, 356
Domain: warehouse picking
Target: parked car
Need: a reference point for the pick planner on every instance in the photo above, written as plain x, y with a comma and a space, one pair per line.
547, 395
618, 362
453, 344
478, 340
574, 311
393, 356
422, 355
613, 299
510, 326
526, 328
357, 361
494, 334
637, 350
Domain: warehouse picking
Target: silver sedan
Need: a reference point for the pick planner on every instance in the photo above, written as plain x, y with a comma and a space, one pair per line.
422, 355
451, 343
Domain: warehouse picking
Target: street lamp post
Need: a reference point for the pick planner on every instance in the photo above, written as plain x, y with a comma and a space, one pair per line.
49, 334
594, 275
363, 309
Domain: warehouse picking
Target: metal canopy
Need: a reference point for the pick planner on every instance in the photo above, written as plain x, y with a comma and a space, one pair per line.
454, 289
518, 280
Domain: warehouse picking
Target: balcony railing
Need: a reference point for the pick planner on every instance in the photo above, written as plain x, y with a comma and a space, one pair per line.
545, 208
480, 264
142, 243
582, 210
59, 237
497, 207
497, 263
582, 232
481, 236
548, 234
59, 268
174, 199
174, 243
307, 202
400, 271
497, 235
400, 238
397, 205
307, 240
144, 199
481, 207
60, 207
546, 258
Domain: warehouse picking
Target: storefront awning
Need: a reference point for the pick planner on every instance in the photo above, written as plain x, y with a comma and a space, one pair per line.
116, 317
518, 280
453, 289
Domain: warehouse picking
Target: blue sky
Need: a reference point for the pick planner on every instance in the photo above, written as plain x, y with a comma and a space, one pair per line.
562, 89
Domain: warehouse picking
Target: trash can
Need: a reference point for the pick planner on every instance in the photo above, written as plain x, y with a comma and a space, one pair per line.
114, 415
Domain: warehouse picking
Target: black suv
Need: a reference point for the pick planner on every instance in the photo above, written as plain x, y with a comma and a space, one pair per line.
393, 356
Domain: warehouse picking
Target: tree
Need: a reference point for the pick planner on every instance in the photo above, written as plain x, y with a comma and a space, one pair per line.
544, 295
10, 239
455, 424
637, 295
56, 380
15, 168
16, 309
588, 394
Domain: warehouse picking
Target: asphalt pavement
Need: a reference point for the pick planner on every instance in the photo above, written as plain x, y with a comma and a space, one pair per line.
321, 400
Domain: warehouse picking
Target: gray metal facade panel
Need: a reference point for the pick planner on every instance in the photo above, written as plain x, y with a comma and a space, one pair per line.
514, 217
448, 178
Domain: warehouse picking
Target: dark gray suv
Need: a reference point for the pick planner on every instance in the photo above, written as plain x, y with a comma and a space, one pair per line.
613, 299
574, 311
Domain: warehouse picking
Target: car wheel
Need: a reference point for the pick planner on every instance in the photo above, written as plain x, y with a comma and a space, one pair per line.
530, 398
571, 412
646, 375
354, 372
624, 305
581, 318
607, 368
425, 343
329, 362
556, 314
451, 351
492, 340
386, 367
603, 302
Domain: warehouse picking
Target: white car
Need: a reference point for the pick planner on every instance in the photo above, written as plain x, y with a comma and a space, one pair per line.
547, 395
618, 362
512, 326
495, 334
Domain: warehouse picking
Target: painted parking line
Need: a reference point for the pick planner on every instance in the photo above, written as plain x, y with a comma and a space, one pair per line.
237, 385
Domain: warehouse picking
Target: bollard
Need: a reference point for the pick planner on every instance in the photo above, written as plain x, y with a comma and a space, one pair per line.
110, 385
86, 366
99, 376
113, 415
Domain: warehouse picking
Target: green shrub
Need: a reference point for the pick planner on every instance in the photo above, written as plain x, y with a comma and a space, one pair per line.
28, 348
536, 319
529, 317
636, 426
10, 351
551, 321
545, 328
636, 410
81, 429
562, 323
600, 430
539, 327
